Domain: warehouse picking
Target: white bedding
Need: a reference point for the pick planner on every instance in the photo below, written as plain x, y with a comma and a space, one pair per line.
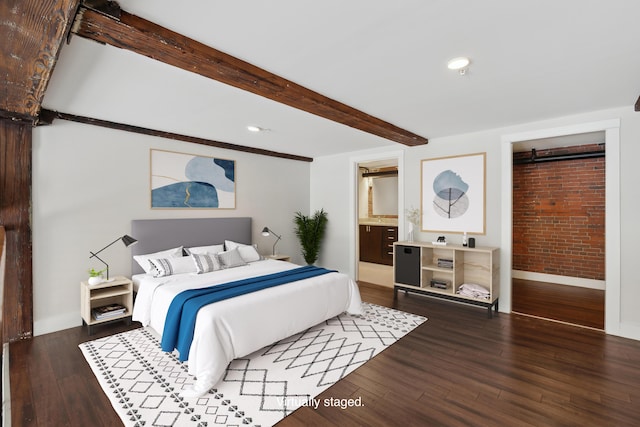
239, 326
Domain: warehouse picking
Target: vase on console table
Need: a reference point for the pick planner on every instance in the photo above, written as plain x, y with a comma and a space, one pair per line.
410, 234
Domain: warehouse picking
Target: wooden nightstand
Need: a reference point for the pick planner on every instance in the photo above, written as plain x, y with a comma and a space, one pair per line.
118, 290
279, 257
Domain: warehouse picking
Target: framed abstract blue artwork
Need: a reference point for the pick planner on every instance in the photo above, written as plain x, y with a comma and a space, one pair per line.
188, 181
453, 194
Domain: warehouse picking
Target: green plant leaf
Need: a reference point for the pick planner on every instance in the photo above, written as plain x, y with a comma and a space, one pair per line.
310, 232
96, 273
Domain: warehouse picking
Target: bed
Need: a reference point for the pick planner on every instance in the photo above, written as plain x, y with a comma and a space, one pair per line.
234, 327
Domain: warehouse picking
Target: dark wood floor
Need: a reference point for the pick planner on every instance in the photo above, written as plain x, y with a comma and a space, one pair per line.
460, 368
571, 304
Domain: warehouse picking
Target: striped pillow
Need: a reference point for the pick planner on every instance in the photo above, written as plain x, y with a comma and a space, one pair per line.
206, 263
169, 266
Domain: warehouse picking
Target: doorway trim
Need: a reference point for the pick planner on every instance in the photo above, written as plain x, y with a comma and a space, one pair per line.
397, 155
612, 211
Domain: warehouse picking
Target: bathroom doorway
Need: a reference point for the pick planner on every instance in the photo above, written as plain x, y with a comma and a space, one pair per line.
377, 220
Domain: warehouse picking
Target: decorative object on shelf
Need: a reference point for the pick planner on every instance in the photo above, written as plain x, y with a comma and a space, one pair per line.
464, 239
472, 242
453, 194
267, 232
180, 180
310, 231
127, 240
441, 241
95, 276
413, 216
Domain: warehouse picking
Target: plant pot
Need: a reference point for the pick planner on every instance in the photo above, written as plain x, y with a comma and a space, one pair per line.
95, 280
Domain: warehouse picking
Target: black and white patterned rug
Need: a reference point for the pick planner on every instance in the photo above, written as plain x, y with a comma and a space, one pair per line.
143, 383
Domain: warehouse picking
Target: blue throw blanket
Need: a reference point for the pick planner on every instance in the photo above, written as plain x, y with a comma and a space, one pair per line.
181, 317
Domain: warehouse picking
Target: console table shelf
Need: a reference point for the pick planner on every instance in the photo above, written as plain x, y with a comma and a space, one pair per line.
440, 271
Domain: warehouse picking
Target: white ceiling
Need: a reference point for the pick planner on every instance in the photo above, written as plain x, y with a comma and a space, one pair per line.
531, 60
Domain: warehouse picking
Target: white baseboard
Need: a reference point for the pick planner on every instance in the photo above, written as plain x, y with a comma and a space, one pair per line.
629, 330
561, 280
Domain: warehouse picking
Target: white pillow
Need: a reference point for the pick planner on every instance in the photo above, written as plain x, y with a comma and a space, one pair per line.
206, 263
170, 266
249, 253
230, 244
143, 260
231, 258
213, 249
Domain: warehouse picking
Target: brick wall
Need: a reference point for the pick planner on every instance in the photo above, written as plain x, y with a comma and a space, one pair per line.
559, 215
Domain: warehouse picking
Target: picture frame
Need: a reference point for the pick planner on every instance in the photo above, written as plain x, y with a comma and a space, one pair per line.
188, 181
453, 194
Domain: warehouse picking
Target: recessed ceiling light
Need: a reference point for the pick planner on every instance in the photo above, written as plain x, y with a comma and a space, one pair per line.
458, 63
252, 128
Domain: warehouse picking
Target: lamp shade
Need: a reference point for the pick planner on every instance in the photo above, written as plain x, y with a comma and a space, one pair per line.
128, 240
265, 231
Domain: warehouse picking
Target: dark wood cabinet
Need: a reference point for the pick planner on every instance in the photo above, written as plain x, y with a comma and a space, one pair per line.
370, 238
376, 243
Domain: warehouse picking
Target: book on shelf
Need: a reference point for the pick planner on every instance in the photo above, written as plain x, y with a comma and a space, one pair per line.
440, 284
445, 263
108, 311
110, 315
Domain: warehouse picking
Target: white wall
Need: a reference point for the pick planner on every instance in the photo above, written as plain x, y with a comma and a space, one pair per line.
90, 182
332, 177
334, 190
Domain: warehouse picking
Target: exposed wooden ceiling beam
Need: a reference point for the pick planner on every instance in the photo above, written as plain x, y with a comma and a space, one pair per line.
146, 38
47, 117
32, 33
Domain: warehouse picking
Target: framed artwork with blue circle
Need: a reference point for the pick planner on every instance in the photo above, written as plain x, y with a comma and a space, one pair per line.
187, 181
453, 194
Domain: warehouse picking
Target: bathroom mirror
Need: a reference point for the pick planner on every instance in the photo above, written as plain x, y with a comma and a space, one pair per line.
385, 195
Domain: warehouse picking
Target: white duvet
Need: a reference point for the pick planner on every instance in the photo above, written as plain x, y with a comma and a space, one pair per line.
239, 326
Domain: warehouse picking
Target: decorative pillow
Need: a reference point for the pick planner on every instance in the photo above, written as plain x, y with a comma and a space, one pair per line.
143, 260
213, 249
249, 253
231, 258
206, 263
230, 245
169, 266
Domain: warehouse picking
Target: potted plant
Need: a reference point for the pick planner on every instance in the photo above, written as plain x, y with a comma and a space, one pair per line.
95, 276
310, 231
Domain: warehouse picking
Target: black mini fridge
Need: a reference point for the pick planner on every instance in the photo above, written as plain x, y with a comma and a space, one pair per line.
407, 265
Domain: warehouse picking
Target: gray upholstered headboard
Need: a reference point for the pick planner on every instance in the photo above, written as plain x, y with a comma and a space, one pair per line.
155, 235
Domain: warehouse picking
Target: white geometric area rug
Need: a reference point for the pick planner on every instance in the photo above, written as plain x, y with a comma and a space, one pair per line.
143, 383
